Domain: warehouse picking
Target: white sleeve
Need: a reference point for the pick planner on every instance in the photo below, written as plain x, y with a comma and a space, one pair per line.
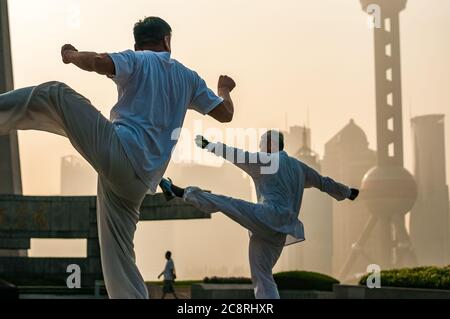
125, 65
204, 100
325, 184
254, 164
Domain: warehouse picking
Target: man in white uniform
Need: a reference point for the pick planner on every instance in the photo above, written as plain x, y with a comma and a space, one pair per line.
131, 151
273, 222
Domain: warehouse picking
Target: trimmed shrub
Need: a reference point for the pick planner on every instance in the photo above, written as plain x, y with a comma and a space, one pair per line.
420, 277
304, 280
292, 280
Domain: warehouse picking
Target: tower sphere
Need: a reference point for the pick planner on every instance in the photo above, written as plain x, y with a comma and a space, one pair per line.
389, 190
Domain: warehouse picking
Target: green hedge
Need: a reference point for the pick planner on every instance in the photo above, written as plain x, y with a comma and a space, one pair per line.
421, 277
304, 280
292, 280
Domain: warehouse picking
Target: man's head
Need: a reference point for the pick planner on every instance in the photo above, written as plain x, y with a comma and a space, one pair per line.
168, 255
153, 34
272, 142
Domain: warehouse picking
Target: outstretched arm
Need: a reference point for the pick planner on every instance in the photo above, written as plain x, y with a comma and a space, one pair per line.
100, 63
326, 184
254, 164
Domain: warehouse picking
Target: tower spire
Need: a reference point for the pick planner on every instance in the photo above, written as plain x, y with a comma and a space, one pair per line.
389, 189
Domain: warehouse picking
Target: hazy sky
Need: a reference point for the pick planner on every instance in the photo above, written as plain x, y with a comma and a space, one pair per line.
287, 57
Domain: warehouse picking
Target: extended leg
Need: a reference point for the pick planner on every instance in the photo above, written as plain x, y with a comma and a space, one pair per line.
262, 219
56, 108
253, 217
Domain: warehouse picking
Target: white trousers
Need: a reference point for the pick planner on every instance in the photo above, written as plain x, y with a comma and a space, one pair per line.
56, 108
265, 245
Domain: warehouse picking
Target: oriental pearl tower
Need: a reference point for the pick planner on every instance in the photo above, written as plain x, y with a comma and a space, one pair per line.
388, 189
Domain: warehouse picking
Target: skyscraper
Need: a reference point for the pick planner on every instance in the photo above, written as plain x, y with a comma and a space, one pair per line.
295, 138
430, 219
347, 158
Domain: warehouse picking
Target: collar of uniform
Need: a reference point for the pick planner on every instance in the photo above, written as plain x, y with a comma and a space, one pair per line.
164, 54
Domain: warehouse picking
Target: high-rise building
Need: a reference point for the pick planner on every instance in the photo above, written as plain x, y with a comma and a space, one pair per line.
347, 158
430, 219
295, 137
77, 177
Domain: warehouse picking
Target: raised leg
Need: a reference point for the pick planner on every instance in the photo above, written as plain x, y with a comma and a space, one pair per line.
56, 108
253, 217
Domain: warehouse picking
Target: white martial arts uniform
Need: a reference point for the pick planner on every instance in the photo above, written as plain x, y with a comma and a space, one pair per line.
273, 222
129, 153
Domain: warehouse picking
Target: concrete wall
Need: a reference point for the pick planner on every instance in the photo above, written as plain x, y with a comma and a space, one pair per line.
23, 218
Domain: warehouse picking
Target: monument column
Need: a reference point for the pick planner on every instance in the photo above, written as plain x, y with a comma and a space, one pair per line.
10, 175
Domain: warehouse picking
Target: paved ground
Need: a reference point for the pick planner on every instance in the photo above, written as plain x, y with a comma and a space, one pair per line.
156, 292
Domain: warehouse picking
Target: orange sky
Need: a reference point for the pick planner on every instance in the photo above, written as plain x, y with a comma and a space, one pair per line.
287, 57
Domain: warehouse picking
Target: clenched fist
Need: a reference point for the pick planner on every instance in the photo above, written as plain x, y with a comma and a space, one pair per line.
225, 82
201, 142
67, 48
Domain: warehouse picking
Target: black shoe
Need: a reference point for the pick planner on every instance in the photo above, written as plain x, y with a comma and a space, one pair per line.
355, 194
166, 186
